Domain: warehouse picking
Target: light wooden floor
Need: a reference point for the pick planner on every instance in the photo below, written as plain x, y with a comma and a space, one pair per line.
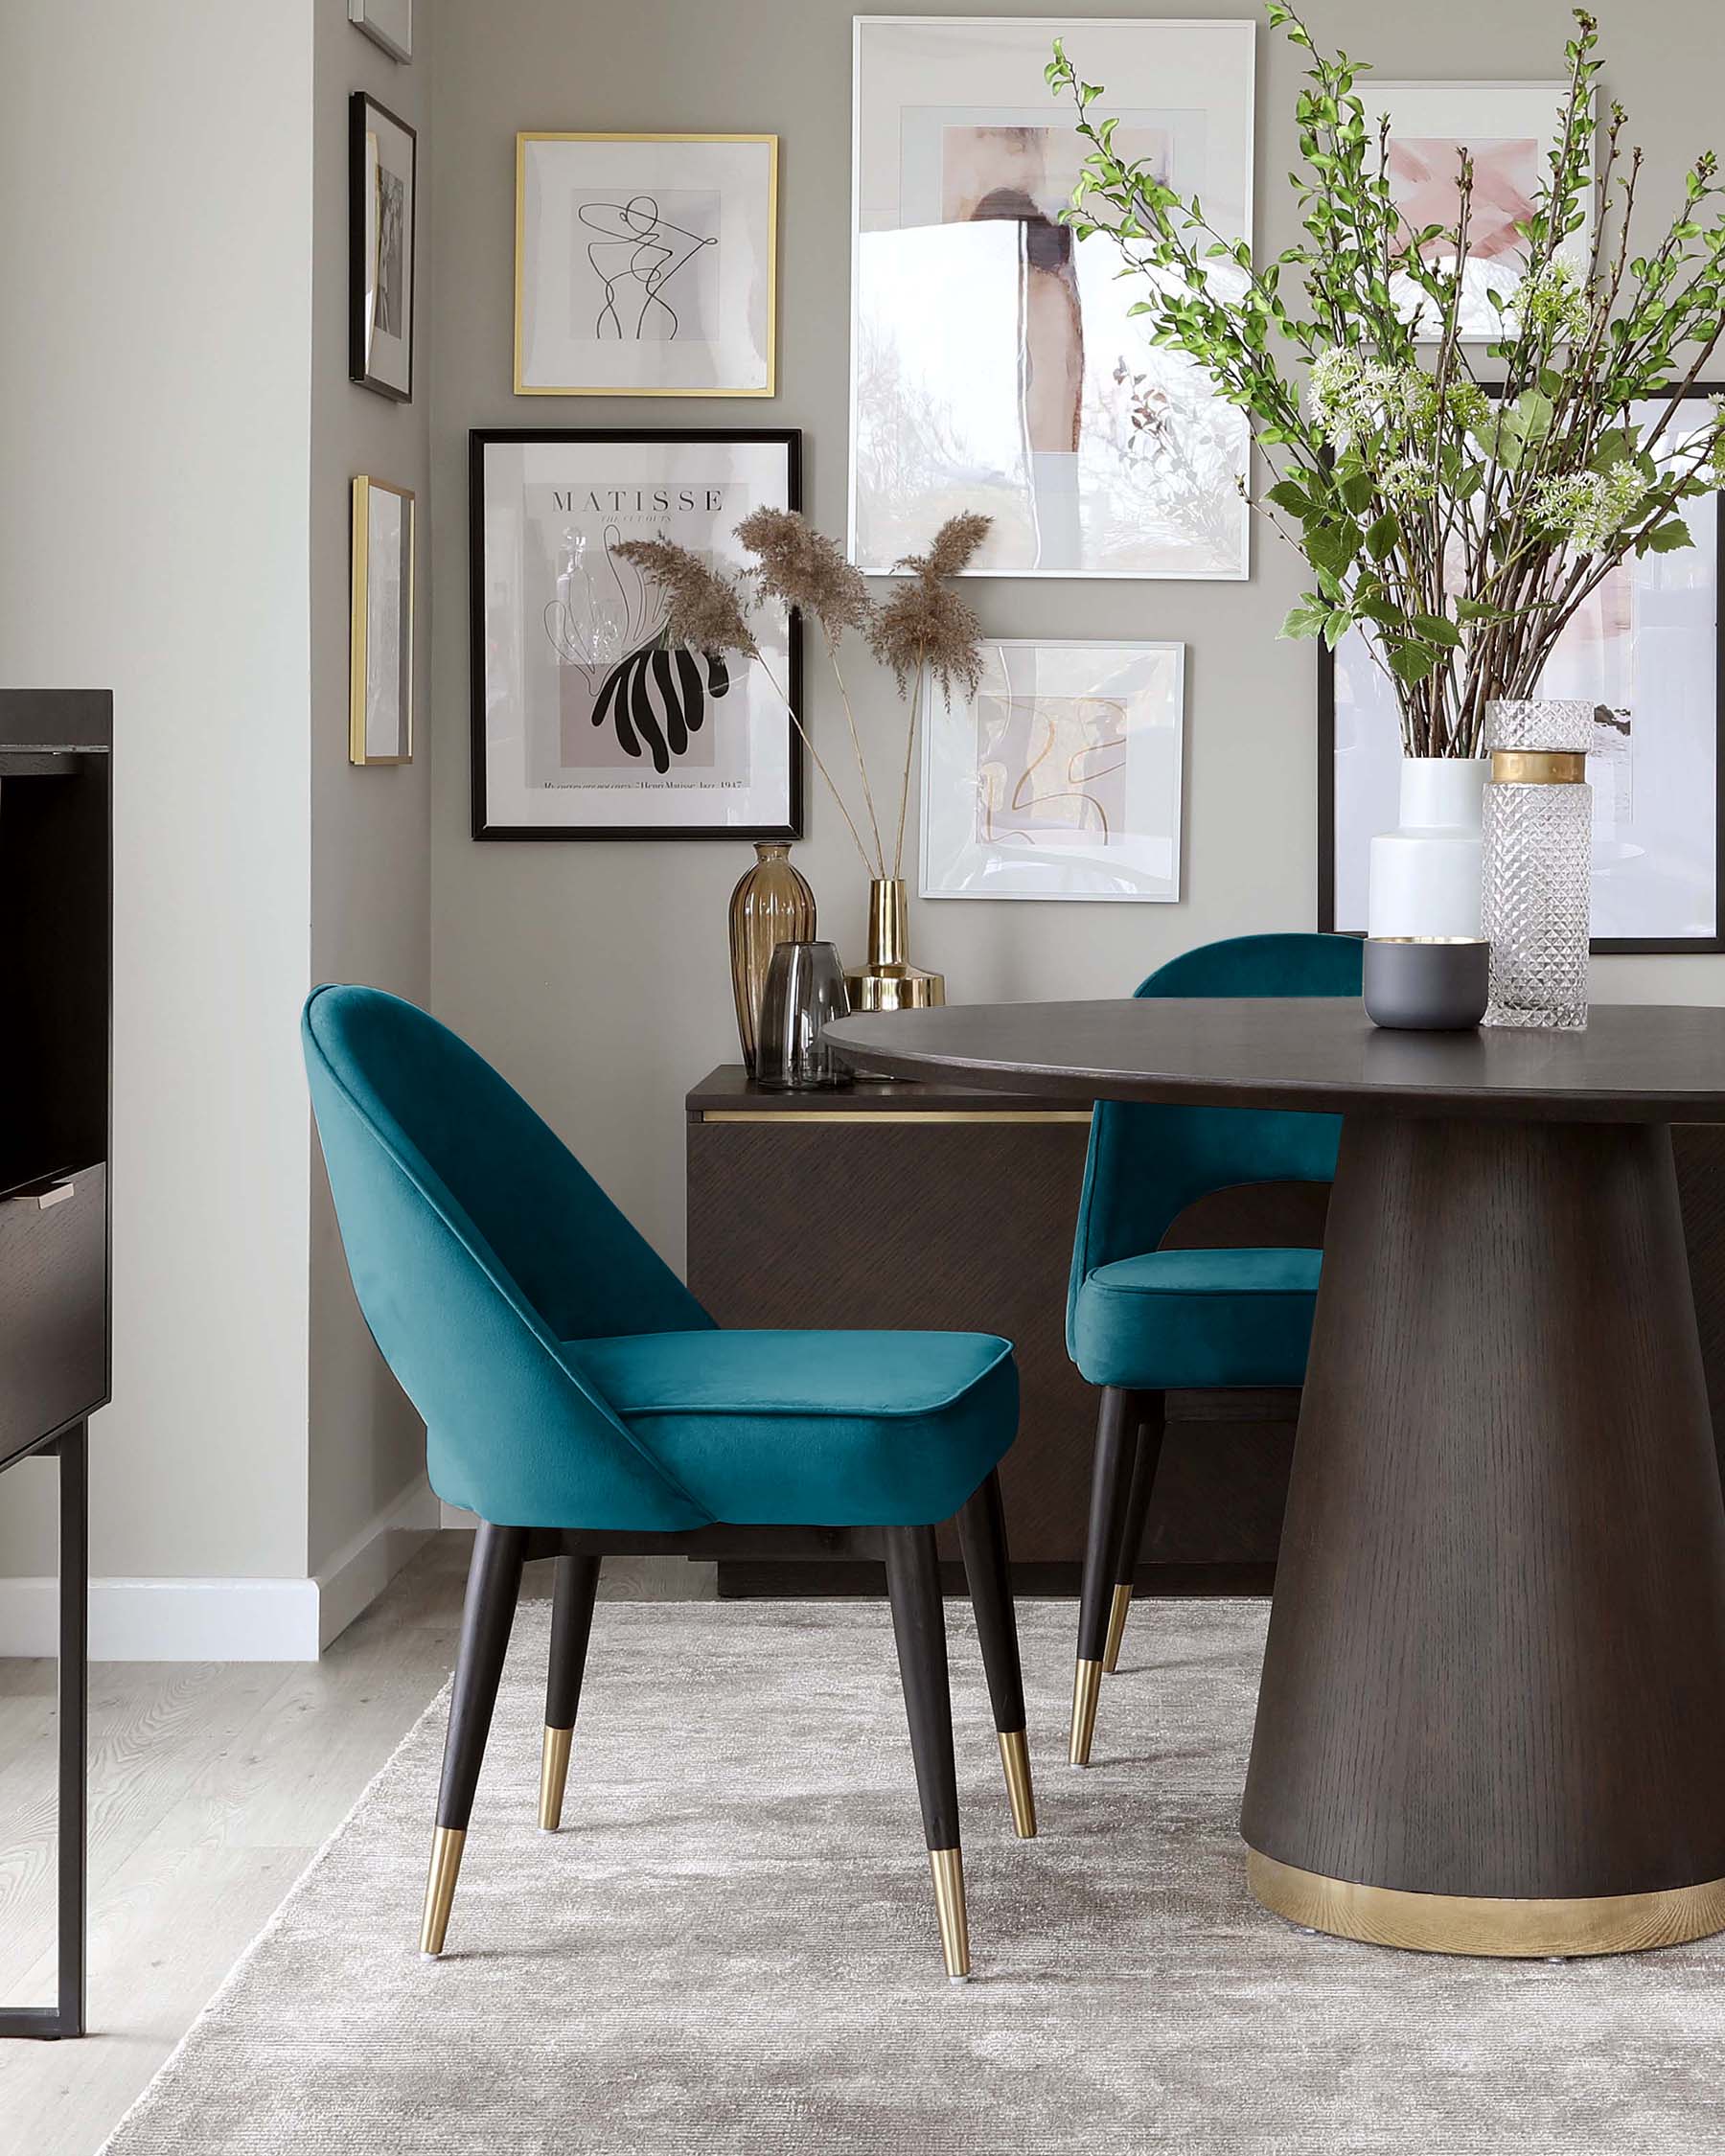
212, 1786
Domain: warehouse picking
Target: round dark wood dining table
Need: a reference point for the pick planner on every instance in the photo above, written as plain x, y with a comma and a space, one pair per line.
1492, 1712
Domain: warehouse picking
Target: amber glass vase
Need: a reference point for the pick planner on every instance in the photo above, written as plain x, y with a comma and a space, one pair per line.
773, 905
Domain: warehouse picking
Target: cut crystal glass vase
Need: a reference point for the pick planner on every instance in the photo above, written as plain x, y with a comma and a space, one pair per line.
1538, 861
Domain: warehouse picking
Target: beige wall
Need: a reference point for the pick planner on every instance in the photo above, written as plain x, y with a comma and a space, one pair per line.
154, 381
177, 434
370, 866
595, 974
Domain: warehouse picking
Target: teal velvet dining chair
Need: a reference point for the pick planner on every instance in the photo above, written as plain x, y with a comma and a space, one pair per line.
579, 1400
1144, 1322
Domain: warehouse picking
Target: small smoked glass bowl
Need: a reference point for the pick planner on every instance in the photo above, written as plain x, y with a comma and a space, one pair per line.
804, 990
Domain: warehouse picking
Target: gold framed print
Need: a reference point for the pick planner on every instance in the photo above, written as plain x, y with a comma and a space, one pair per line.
380, 668
646, 265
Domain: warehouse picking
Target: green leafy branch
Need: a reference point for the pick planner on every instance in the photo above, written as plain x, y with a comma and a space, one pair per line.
1459, 531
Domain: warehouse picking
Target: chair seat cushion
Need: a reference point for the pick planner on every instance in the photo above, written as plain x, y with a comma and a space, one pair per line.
1197, 1319
815, 1429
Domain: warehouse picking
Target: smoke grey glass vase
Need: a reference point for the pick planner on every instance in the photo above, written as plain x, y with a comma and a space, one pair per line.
804, 988
1538, 861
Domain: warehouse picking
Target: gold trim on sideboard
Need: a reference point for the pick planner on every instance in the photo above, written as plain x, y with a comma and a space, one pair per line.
893, 1115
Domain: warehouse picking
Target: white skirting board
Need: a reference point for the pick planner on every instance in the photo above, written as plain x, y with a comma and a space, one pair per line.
226, 1619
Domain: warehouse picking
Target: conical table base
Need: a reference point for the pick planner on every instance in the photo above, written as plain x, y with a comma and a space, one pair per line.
1492, 1717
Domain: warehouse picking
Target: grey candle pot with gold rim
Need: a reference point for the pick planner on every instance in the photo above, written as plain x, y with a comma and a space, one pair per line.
1426, 984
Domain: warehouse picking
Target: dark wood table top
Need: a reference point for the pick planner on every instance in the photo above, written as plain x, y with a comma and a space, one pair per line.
1634, 1062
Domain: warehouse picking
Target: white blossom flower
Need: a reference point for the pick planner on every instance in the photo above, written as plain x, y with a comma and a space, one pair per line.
1406, 479
1589, 508
1468, 406
1333, 396
1351, 397
1551, 301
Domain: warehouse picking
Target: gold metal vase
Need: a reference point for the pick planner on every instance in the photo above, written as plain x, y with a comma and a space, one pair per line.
772, 905
889, 982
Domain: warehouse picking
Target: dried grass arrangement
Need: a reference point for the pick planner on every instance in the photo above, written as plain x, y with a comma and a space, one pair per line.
923, 630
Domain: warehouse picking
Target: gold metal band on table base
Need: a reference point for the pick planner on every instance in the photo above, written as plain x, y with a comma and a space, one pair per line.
440, 1887
1087, 1683
1116, 1629
1537, 767
947, 1869
1480, 1924
554, 1774
1015, 1759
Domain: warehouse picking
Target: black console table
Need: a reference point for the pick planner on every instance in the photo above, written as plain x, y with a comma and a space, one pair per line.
56, 975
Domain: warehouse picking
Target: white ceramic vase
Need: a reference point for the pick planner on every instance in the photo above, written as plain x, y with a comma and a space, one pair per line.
1425, 874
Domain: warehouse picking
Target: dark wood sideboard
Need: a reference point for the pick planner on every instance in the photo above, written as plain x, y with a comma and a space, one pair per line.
903, 1205
54, 986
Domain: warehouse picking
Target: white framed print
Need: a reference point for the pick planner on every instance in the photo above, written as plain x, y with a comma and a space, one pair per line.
1645, 650
587, 724
1511, 130
996, 364
388, 23
1061, 778
380, 641
646, 265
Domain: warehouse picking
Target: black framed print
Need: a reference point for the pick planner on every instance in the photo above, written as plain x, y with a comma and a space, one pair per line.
1646, 649
584, 724
382, 212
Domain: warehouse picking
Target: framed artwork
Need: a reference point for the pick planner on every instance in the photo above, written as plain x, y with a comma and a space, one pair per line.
1645, 649
380, 645
388, 23
995, 361
584, 725
1061, 778
646, 265
381, 213
1511, 130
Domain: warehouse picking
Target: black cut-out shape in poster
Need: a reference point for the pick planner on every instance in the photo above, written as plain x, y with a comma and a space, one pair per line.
653, 685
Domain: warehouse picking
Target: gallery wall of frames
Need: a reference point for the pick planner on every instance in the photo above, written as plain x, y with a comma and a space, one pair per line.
996, 365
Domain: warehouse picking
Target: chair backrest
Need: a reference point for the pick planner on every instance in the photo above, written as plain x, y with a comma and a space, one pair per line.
1148, 1162
477, 1244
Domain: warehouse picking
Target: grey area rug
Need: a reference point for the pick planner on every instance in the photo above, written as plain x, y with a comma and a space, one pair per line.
731, 1946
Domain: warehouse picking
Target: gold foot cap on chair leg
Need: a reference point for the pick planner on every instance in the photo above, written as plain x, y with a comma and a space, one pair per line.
1087, 1683
554, 1773
947, 1869
440, 1887
1015, 1759
1117, 1628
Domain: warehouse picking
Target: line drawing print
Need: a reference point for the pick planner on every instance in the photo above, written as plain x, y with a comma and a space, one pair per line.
1072, 809
637, 248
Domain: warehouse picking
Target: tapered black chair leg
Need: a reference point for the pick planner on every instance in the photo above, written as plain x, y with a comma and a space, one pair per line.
982, 1536
494, 1582
575, 1584
1111, 1478
913, 1585
1151, 1422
